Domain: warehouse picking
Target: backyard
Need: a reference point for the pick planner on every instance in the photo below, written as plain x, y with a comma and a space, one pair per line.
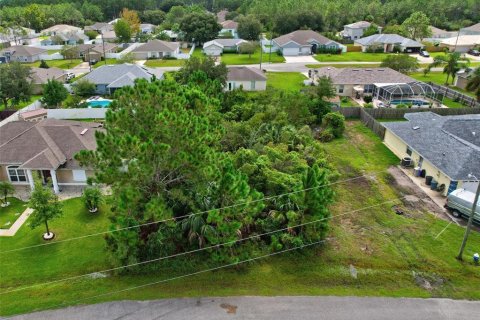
21, 104
290, 81
392, 255
62, 64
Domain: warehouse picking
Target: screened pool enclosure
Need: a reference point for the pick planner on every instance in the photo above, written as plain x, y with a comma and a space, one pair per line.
413, 93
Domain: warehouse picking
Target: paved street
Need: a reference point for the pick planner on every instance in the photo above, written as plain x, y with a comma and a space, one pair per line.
278, 308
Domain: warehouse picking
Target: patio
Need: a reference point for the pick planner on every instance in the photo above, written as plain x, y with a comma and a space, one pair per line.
415, 94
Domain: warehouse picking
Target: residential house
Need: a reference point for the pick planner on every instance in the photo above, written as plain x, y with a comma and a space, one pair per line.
40, 77
108, 36
147, 28
355, 30
156, 49
22, 53
446, 147
90, 52
356, 82
218, 46
18, 35
61, 28
100, 27
462, 43
229, 26
70, 38
46, 149
303, 42
472, 30
389, 43
109, 78
249, 79
34, 115
461, 80
171, 34
439, 34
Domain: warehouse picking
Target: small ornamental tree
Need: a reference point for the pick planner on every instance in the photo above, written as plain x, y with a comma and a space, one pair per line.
84, 88
92, 196
247, 48
43, 65
54, 93
123, 31
46, 207
6, 188
335, 123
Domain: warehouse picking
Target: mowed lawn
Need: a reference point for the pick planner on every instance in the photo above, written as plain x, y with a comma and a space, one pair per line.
21, 104
164, 63
391, 253
290, 81
8, 215
62, 64
351, 56
237, 58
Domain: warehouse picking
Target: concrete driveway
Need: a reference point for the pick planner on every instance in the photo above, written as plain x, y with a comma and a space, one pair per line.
80, 69
275, 308
300, 59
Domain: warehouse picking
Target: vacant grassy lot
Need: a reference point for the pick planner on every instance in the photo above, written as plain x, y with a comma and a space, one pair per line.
236, 58
291, 81
62, 64
9, 215
391, 253
351, 56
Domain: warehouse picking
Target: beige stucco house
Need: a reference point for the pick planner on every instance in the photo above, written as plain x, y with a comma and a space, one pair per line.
446, 147
249, 79
40, 77
45, 150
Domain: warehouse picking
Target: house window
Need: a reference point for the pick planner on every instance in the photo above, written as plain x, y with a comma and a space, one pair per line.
340, 88
79, 175
16, 175
368, 88
229, 86
409, 151
252, 85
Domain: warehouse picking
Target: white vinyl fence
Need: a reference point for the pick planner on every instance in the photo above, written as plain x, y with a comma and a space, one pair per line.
14, 117
55, 56
84, 113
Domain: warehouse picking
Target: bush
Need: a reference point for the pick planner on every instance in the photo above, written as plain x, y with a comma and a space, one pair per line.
344, 99
335, 122
91, 34
368, 105
368, 99
326, 135
401, 106
92, 196
43, 65
84, 88
323, 49
375, 49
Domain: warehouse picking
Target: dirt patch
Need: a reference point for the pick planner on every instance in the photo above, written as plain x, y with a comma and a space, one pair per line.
428, 281
230, 308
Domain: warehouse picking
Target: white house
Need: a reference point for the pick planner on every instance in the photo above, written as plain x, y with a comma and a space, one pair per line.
304, 42
218, 46
229, 26
249, 79
472, 30
355, 30
147, 28
388, 42
462, 43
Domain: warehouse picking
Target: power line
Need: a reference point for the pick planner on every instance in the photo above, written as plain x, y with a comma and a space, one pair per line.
186, 216
198, 250
197, 272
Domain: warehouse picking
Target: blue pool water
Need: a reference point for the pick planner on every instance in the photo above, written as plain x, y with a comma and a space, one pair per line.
99, 103
408, 101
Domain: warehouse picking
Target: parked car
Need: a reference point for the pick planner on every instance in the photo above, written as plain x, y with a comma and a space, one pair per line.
424, 54
474, 52
460, 203
70, 76
93, 62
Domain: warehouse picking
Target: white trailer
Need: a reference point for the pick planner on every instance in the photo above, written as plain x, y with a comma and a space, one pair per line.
460, 202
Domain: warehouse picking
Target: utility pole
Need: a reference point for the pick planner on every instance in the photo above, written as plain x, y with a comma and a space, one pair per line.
456, 41
103, 45
261, 52
270, 53
470, 219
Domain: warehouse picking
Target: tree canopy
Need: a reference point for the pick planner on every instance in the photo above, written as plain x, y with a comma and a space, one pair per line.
199, 27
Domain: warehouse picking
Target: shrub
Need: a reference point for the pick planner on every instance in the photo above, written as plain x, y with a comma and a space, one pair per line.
401, 106
323, 49
43, 65
326, 135
91, 34
335, 122
368, 105
84, 88
368, 99
344, 99
93, 198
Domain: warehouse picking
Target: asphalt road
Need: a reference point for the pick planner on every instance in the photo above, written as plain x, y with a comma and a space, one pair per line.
278, 308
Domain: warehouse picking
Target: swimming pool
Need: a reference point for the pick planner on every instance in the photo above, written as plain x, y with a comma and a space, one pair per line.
99, 103
414, 102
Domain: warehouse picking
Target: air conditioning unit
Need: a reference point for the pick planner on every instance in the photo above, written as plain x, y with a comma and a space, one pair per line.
407, 162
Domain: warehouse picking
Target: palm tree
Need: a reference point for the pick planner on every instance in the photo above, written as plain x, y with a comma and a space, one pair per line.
474, 83
452, 63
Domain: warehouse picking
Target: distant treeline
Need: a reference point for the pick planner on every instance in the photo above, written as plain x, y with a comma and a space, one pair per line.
276, 15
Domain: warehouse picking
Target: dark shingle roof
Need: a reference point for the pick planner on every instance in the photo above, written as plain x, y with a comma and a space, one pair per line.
245, 74
41, 75
303, 38
24, 51
111, 73
47, 144
363, 75
385, 38
450, 143
157, 46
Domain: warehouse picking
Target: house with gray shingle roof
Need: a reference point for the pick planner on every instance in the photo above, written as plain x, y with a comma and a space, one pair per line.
303, 42
350, 81
472, 30
40, 77
22, 53
388, 42
355, 30
109, 78
156, 49
446, 147
249, 79
46, 149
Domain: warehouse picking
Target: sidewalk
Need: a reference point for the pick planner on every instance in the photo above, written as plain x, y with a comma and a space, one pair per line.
18, 223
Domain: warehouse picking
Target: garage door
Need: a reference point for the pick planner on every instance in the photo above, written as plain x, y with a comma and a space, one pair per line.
290, 51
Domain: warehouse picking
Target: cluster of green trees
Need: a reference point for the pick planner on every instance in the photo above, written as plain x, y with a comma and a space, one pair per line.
205, 160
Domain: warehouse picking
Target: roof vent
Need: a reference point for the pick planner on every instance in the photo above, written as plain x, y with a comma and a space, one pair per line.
474, 133
416, 128
83, 131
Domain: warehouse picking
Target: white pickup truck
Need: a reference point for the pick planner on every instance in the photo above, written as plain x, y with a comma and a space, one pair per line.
460, 203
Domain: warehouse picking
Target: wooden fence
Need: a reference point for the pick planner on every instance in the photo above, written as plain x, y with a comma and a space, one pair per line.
369, 116
456, 96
